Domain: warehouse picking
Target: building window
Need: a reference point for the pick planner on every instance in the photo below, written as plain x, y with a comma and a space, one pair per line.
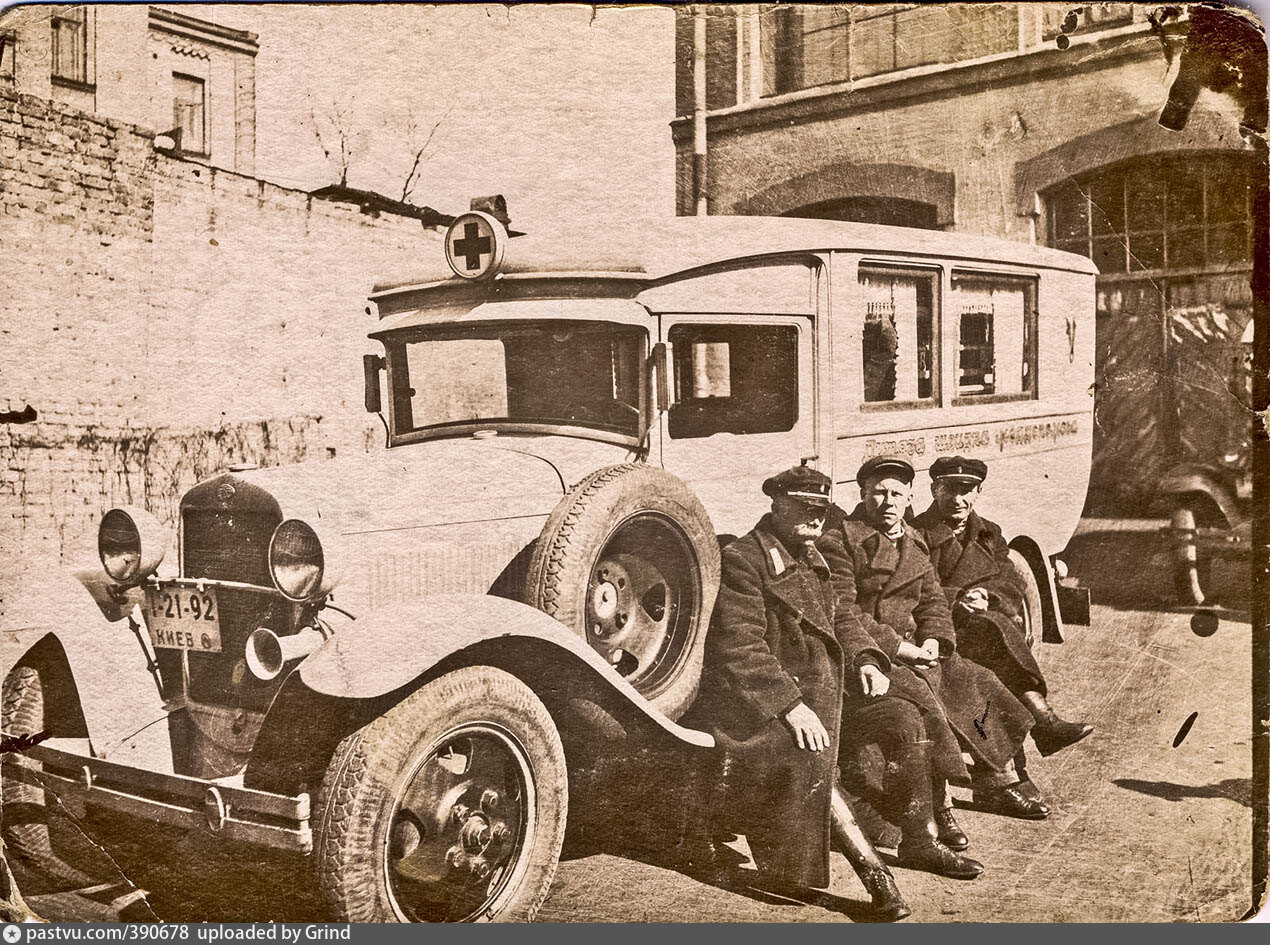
189, 111
898, 350
996, 335
8, 56
1156, 214
733, 379
808, 45
71, 44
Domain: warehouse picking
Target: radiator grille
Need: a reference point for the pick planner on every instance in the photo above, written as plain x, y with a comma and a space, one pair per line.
228, 545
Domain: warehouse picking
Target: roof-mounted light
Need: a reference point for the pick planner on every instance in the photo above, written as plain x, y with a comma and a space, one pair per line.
474, 245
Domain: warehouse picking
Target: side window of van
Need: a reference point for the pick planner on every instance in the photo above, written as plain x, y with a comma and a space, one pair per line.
733, 379
900, 355
996, 335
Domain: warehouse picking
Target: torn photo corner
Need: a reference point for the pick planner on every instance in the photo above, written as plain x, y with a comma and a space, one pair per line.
728, 463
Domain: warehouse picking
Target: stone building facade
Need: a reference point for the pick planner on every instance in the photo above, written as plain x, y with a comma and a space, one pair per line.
1032, 122
144, 65
163, 318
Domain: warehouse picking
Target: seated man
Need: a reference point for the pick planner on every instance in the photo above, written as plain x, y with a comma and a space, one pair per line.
884, 578
771, 694
972, 561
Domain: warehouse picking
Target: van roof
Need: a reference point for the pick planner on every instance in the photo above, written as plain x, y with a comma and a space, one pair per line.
662, 248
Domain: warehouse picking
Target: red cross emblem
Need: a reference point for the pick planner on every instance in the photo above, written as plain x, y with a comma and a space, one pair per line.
474, 245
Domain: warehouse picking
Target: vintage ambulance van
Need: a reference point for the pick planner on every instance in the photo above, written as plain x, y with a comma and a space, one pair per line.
412, 671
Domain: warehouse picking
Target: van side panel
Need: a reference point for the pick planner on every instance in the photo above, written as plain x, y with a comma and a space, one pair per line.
1037, 448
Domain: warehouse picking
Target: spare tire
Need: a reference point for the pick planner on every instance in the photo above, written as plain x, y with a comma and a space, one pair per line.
630, 561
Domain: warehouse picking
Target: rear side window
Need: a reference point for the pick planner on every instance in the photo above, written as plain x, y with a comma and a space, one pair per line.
996, 335
899, 351
733, 379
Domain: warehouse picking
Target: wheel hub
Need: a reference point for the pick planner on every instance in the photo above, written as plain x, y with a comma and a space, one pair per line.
454, 835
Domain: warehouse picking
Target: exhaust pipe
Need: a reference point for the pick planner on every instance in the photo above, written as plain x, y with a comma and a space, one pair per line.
267, 652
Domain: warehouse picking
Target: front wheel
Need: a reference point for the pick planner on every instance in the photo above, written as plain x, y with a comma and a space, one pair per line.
450, 807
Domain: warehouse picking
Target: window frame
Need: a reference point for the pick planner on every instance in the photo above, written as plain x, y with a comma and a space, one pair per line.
1031, 339
9, 53
1201, 165
789, 324
397, 382
203, 149
935, 274
84, 77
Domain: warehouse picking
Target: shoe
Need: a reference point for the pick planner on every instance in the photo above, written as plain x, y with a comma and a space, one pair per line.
1028, 789
950, 833
934, 857
888, 904
1058, 734
1050, 733
1009, 801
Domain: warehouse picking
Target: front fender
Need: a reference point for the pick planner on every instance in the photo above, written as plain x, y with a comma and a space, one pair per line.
107, 669
385, 650
1192, 478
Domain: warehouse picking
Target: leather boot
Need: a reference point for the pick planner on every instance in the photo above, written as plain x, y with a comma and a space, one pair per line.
1052, 734
864, 859
920, 849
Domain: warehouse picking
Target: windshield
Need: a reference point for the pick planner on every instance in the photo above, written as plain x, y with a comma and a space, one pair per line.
575, 373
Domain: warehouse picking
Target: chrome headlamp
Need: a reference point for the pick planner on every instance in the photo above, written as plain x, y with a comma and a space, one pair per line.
297, 562
130, 544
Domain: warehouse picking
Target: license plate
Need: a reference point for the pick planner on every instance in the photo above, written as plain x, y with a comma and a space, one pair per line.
183, 618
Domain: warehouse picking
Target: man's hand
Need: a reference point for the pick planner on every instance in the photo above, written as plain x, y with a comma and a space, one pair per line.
974, 599
873, 681
805, 725
921, 656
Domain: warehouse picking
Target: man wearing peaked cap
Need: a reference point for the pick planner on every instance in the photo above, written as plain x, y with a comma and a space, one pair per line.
771, 694
800, 482
986, 593
884, 579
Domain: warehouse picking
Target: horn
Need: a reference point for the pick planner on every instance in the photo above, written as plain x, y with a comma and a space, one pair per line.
267, 652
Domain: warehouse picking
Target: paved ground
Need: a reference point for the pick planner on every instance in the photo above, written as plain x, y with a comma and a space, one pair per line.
1141, 830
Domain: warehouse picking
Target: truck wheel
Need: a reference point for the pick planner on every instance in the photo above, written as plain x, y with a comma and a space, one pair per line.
27, 814
1190, 568
629, 560
1033, 616
449, 807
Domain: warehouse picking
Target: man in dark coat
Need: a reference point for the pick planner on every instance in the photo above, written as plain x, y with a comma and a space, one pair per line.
771, 694
885, 579
986, 595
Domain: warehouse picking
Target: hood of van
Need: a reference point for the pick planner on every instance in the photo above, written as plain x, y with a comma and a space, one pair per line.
431, 483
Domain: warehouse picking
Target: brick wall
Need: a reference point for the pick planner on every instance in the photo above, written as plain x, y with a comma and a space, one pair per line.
162, 319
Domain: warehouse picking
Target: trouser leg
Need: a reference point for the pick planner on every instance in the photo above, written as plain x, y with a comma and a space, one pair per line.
908, 767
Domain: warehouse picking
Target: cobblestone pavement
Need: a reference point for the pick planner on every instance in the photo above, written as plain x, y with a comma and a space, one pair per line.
1140, 829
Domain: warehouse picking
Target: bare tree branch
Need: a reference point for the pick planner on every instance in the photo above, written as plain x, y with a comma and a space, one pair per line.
407, 187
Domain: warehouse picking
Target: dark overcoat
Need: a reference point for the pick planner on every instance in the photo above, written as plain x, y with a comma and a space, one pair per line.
881, 588
981, 558
772, 644
892, 589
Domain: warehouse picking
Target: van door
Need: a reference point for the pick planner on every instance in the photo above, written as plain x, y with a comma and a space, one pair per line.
743, 407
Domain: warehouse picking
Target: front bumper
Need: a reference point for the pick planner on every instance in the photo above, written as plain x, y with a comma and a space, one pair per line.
218, 808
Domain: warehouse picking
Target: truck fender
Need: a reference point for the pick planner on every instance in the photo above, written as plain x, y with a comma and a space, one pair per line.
1052, 628
1191, 478
383, 651
55, 615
